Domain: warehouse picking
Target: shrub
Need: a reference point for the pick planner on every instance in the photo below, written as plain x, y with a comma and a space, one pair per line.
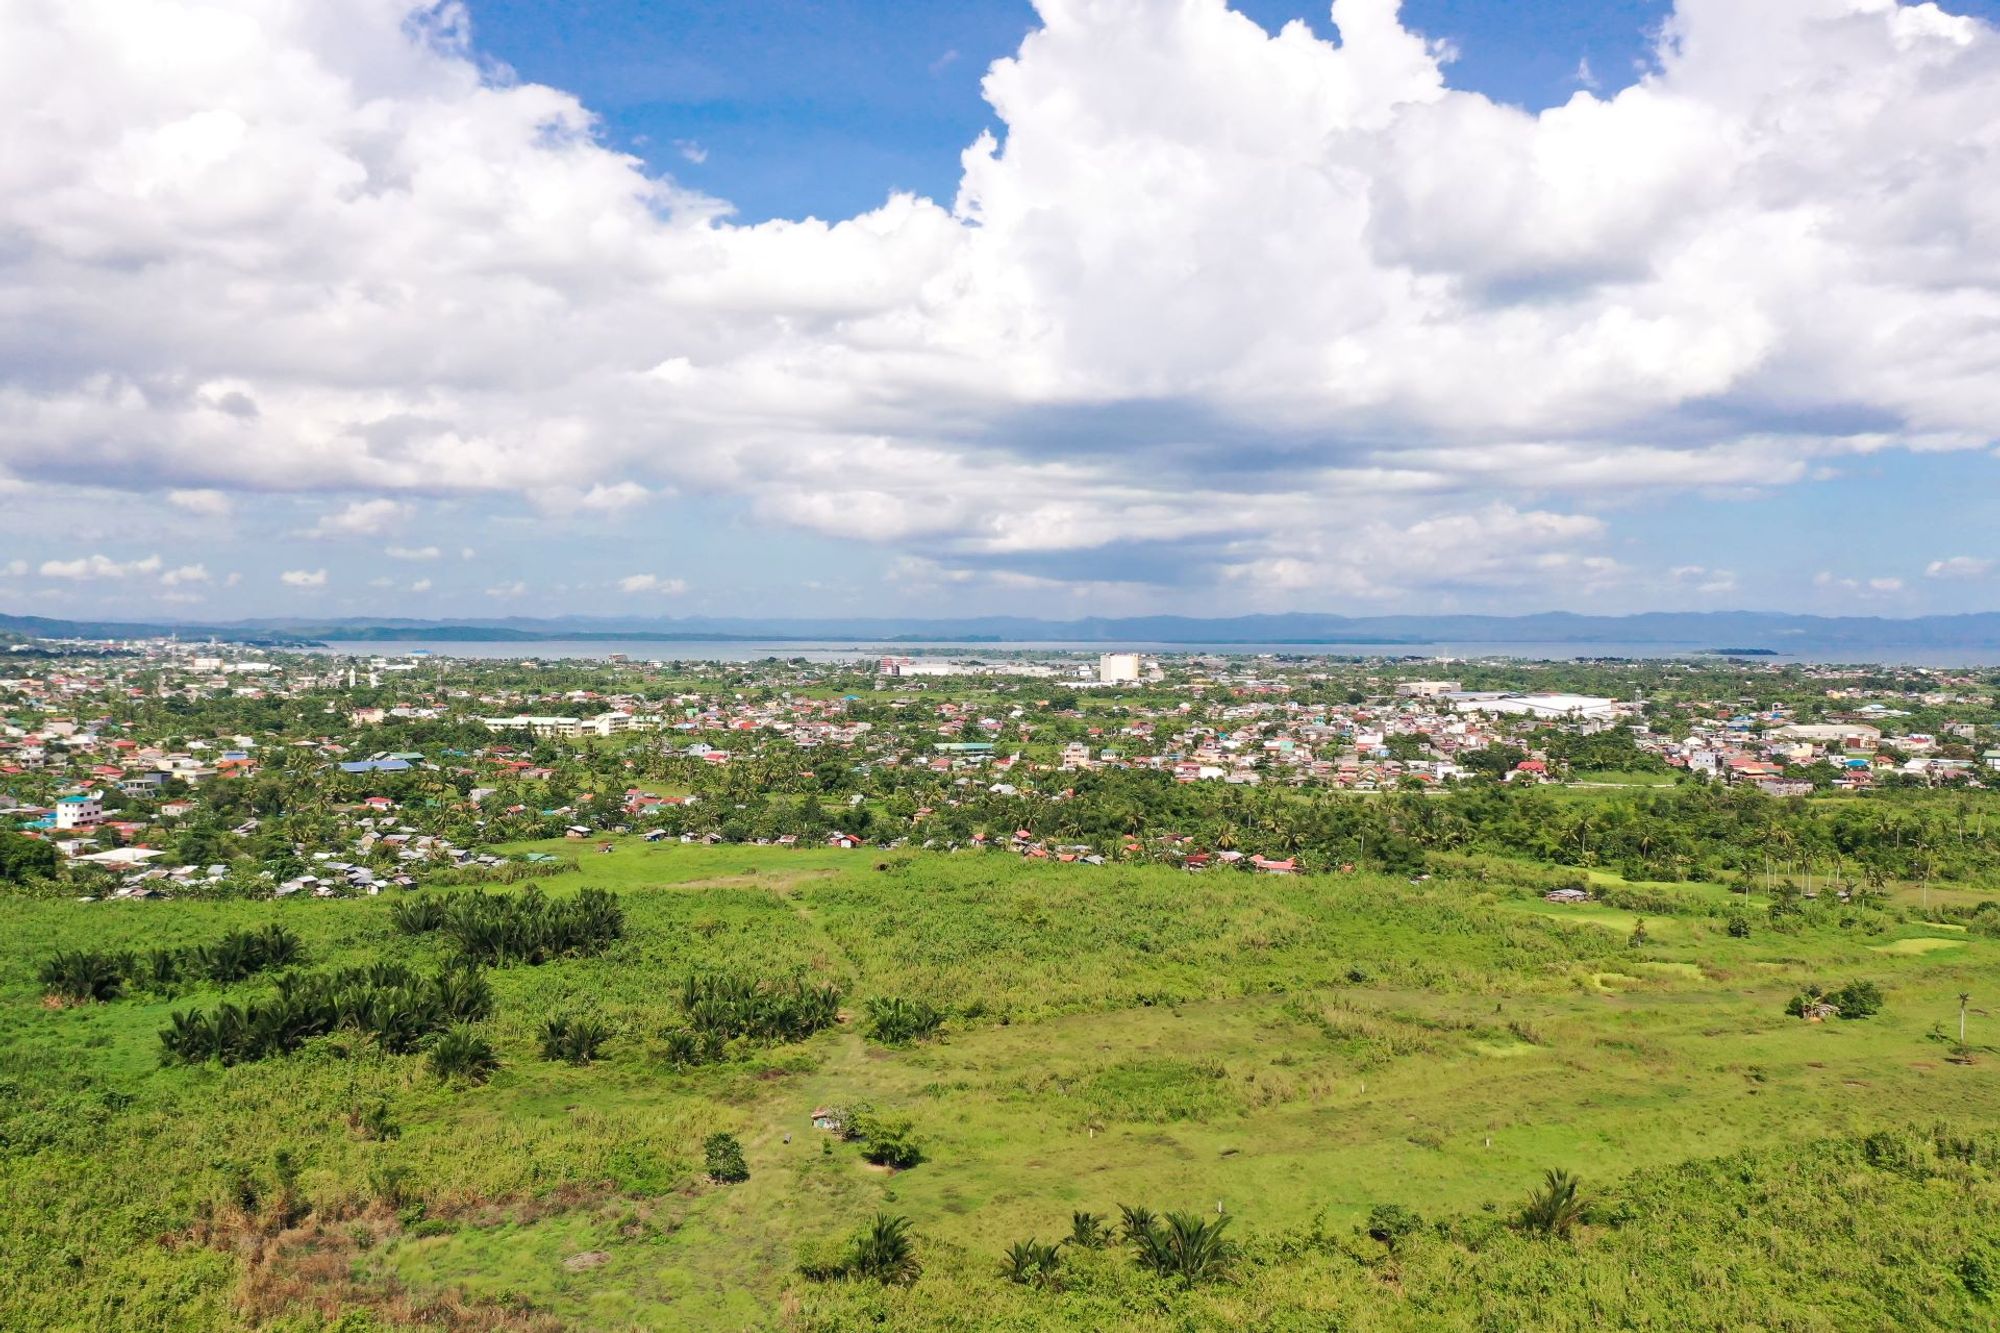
1555, 1207
1031, 1263
1739, 926
85, 976
684, 1048
897, 1022
385, 1002
1858, 999
462, 1054
1187, 1248
1087, 1231
576, 1040
501, 929
733, 1006
1391, 1222
886, 1141
725, 1159
883, 1253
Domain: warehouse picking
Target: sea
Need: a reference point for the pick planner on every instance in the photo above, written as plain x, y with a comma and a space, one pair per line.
851, 650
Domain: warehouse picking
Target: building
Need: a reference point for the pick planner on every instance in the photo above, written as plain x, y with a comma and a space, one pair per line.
85, 810
1543, 707
1427, 689
1118, 669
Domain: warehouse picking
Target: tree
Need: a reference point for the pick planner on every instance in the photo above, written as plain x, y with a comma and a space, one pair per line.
724, 1155
1185, 1247
1964, 998
23, 858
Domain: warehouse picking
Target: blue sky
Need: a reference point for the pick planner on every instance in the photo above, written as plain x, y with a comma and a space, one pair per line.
1489, 307
820, 107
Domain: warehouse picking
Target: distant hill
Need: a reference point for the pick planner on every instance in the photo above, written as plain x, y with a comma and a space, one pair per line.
1778, 632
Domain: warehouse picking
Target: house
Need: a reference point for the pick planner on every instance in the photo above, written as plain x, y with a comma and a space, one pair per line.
828, 1118
1288, 866
80, 811
1567, 896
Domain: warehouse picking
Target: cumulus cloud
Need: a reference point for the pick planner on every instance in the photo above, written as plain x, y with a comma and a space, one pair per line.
303, 578
1879, 586
421, 585
1702, 579
324, 248
362, 518
505, 591
652, 583
100, 567
14, 569
1959, 567
185, 574
207, 503
412, 552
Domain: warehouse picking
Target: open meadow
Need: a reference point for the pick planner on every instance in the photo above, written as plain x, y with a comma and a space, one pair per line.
1288, 1052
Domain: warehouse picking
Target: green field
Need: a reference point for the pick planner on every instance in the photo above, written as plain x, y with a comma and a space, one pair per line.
1291, 1051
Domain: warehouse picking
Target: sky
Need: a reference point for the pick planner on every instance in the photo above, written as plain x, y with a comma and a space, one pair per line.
1084, 307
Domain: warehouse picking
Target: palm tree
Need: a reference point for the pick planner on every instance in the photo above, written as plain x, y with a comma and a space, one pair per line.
1555, 1208
883, 1252
1964, 998
1186, 1247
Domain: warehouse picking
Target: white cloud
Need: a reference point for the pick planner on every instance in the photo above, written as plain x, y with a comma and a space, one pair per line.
421, 585
652, 583
508, 590
14, 569
412, 552
1702, 579
1878, 586
207, 503
1959, 567
691, 151
322, 248
185, 574
303, 578
362, 518
100, 567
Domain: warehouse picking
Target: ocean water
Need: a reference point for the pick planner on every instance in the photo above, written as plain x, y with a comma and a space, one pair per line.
844, 650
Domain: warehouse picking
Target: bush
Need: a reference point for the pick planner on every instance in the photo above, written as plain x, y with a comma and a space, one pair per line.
1739, 926
885, 1141
898, 1022
1031, 1263
385, 1002
732, 1006
883, 1253
1087, 1231
1391, 1222
724, 1157
1184, 1247
576, 1040
501, 929
1858, 999
85, 976
1554, 1208
686, 1048
462, 1054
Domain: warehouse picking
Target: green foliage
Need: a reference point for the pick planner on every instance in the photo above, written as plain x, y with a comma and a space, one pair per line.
1185, 1247
86, 976
884, 1253
463, 1055
685, 1048
1032, 1264
24, 859
885, 1140
385, 1002
1739, 926
731, 1006
502, 929
1087, 1231
1392, 1222
575, 1039
1554, 1207
898, 1022
1857, 999
723, 1157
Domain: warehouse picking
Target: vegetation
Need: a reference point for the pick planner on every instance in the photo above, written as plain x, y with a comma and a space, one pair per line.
463, 1055
386, 1003
526, 926
576, 1039
723, 1156
898, 1022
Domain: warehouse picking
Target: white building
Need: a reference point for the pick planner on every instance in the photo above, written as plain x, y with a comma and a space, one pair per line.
1118, 669
79, 812
1552, 707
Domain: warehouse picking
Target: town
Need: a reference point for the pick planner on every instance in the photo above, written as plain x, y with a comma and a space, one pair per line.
169, 769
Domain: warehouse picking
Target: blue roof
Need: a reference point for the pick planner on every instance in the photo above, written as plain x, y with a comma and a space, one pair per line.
375, 766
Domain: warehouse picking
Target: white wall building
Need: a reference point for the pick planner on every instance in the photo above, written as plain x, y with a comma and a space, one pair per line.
1118, 669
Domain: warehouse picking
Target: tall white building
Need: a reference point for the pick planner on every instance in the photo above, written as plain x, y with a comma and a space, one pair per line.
1118, 668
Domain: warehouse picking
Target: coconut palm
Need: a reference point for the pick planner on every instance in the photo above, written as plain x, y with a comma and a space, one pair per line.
884, 1253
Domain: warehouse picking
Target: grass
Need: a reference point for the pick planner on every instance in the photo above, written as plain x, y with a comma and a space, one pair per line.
1289, 1049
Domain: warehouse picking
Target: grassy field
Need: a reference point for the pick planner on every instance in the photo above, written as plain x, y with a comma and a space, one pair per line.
1290, 1051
